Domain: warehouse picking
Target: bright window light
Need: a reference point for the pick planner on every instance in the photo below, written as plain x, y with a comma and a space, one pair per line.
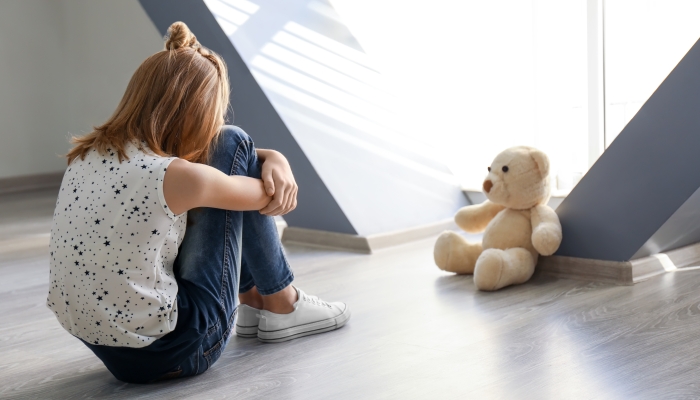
644, 40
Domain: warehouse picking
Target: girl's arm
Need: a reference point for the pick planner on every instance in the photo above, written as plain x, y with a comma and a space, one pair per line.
190, 185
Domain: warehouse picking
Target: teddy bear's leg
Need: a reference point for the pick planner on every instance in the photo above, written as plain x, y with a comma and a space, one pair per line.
453, 253
499, 268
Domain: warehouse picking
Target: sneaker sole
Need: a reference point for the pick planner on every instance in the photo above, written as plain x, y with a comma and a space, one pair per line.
246, 331
313, 328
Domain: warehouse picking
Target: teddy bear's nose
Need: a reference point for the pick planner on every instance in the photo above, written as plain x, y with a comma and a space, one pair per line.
488, 185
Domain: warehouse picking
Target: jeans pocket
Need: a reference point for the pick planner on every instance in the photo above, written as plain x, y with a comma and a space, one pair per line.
213, 354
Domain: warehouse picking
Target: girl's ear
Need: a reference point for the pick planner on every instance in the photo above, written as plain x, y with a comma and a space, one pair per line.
541, 160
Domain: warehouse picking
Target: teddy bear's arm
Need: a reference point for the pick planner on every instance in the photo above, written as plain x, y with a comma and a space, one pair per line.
473, 219
546, 230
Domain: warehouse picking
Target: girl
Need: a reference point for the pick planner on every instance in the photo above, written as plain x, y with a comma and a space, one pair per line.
157, 234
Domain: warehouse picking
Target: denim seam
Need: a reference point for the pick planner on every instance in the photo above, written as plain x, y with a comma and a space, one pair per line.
213, 328
234, 168
227, 235
221, 343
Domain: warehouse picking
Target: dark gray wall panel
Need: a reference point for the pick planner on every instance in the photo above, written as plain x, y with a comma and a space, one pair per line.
317, 209
645, 175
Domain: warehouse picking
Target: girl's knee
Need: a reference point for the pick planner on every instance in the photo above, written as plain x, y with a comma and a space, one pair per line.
231, 134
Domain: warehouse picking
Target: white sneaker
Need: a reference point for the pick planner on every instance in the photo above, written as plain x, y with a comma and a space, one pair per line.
311, 315
247, 321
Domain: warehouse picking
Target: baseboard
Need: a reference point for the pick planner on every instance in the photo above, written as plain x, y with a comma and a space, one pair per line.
31, 182
620, 272
363, 244
325, 239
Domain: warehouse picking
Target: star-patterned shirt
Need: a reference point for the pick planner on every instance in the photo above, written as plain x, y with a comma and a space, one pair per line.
113, 244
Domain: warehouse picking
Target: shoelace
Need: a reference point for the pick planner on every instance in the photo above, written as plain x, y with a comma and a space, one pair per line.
315, 301
305, 297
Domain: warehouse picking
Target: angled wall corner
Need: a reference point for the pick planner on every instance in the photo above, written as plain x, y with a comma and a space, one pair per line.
301, 84
641, 197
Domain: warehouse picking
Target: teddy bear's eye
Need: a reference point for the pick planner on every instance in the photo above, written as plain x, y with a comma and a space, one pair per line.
489, 169
505, 168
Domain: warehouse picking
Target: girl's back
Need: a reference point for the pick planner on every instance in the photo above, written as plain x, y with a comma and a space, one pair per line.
113, 244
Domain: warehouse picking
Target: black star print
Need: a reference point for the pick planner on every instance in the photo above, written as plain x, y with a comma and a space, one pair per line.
155, 231
146, 197
111, 168
162, 309
80, 253
136, 208
117, 191
106, 293
77, 263
104, 161
119, 312
115, 340
143, 166
106, 243
97, 323
97, 222
87, 273
121, 272
75, 190
123, 186
75, 247
99, 298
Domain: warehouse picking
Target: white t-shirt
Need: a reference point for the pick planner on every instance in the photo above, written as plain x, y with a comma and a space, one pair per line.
113, 244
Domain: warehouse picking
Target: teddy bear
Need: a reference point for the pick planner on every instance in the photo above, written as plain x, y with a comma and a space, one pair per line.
518, 224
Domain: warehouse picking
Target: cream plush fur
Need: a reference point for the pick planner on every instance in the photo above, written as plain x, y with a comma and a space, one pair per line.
518, 225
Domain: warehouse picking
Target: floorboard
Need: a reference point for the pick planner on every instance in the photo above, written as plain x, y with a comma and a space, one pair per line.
416, 332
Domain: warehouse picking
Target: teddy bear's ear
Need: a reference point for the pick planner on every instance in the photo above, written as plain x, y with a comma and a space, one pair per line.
541, 160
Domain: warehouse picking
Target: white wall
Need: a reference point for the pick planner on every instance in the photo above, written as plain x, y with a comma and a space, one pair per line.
64, 66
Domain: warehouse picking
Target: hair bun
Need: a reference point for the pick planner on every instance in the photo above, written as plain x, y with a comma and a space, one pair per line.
179, 36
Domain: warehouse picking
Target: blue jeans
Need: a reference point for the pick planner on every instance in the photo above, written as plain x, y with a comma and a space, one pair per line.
223, 252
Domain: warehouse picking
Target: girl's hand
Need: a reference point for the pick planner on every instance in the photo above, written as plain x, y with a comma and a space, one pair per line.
279, 183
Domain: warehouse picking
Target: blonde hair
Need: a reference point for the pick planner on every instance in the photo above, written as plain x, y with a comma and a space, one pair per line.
176, 102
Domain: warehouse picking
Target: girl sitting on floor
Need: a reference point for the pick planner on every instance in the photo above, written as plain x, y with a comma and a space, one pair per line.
164, 222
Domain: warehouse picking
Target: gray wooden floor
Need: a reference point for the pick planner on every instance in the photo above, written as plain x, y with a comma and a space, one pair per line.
415, 333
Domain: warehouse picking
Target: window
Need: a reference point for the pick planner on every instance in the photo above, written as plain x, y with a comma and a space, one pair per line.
563, 76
